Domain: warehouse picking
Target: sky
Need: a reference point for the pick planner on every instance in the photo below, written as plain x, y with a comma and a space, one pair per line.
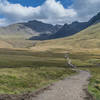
48, 11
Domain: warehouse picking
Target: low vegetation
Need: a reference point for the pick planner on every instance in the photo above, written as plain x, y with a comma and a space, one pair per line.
88, 39
24, 58
24, 79
94, 86
23, 71
27, 70
90, 62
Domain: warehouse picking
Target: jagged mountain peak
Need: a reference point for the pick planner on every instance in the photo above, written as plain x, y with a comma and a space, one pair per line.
95, 19
29, 28
70, 29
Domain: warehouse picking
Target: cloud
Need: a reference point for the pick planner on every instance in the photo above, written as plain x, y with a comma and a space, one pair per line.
16, 12
3, 22
51, 11
54, 12
86, 8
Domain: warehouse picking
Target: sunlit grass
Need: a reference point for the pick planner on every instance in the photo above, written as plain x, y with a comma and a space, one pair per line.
20, 80
23, 71
90, 62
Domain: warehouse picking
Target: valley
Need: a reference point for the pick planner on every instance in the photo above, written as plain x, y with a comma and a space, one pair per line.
27, 65
23, 71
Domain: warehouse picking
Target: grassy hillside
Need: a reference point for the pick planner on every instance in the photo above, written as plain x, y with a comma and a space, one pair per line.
4, 44
94, 86
24, 71
91, 62
84, 49
16, 31
16, 43
16, 35
26, 79
86, 39
32, 68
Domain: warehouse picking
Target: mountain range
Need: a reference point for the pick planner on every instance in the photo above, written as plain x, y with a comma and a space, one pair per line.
28, 29
69, 29
37, 30
87, 40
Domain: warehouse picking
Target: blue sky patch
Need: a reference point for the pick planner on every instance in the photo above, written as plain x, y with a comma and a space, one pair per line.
36, 3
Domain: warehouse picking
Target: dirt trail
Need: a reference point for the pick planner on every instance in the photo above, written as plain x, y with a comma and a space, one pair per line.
72, 88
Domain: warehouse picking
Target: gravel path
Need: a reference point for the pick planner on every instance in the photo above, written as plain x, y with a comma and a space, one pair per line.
72, 88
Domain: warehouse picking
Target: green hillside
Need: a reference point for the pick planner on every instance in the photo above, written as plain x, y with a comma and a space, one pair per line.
86, 39
84, 49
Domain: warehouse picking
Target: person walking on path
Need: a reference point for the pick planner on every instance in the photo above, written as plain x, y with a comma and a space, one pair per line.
68, 61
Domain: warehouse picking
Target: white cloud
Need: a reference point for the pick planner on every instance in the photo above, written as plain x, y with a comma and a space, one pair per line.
86, 8
51, 8
50, 12
16, 12
54, 12
3, 22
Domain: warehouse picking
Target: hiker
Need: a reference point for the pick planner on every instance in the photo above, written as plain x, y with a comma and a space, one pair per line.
68, 60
